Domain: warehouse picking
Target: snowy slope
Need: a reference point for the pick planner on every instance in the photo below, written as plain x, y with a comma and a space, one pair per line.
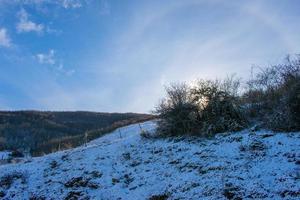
4, 155
122, 165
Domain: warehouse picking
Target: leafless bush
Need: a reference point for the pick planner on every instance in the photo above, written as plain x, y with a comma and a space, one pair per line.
219, 105
146, 134
273, 95
205, 109
212, 106
177, 111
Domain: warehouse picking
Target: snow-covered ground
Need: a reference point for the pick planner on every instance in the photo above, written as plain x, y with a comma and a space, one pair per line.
4, 155
122, 165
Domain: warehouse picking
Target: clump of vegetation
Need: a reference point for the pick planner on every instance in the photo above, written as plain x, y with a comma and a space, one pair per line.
255, 148
219, 107
53, 164
232, 192
159, 197
2, 194
37, 197
145, 133
271, 99
16, 154
273, 96
207, 108
178, 112
77, 182
74, 195
126, 156
7, 180
96, 174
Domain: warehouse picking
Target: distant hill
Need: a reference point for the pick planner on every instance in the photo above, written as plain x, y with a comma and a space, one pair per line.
46, 132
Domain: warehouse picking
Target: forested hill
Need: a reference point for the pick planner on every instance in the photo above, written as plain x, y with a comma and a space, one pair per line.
46, 132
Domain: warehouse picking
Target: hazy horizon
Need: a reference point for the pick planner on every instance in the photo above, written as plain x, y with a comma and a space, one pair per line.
116, 56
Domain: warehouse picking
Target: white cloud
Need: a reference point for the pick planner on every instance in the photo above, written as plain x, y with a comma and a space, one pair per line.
61, 3
53, 31
46, 58
71, 4
56, 66
60, 69
4, 38
25, 25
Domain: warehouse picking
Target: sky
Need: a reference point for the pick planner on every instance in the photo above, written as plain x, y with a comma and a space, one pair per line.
117, 55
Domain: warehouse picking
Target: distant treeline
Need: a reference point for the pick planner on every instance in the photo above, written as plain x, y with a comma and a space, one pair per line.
45, 132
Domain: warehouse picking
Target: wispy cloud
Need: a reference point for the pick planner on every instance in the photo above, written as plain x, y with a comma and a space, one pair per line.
51, 60
5, 40
25, 25
46, 58
60, 69
61, 3
71, 3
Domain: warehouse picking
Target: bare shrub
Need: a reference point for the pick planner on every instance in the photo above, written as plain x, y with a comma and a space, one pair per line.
16, 154
293, 100
273, 95
205, 109
219, 105
146, 134
178, 113
214, 106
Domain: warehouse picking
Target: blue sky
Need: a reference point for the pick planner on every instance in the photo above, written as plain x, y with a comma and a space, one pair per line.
117, 55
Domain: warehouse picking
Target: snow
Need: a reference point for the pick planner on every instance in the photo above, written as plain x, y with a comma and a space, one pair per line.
122, 165
4, 155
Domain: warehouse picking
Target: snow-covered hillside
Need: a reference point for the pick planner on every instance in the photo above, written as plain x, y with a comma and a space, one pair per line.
122, 165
